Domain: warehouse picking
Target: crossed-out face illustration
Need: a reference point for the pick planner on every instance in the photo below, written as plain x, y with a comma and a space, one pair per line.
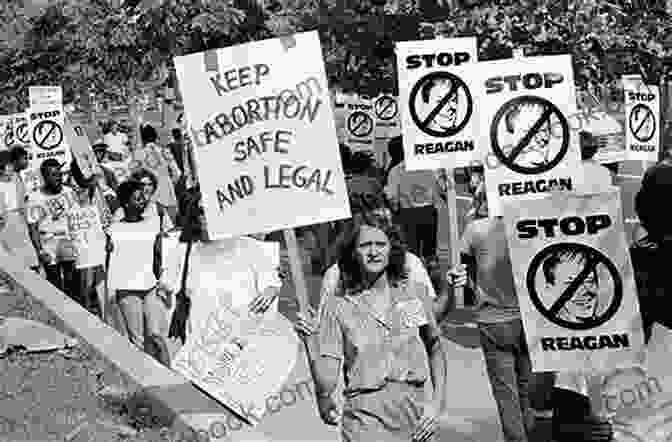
574, 286
519, 120
431, 95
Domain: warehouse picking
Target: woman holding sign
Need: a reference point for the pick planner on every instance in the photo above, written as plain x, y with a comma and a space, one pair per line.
381, 329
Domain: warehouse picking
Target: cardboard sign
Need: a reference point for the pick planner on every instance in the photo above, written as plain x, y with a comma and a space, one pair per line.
638, 399
439, 105
264, 139
5, 129
642, 120
86, 230
46, 119
81, 149
360, 123
387, 114
574, 281
531, 148
239, 357
16, 131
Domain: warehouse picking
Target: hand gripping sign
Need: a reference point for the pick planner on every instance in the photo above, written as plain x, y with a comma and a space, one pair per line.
438, 102
642, 116
524, 123
574, 281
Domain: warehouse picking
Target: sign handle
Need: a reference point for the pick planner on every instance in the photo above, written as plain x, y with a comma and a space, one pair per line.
296, 266
454, 249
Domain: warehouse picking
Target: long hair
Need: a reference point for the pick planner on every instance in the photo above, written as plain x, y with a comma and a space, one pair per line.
352, 277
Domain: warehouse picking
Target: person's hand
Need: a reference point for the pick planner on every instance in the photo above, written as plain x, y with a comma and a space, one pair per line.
45, 257
263, 300
109, 246
328, 409
3, 222
457, 276
427, 425
306, 323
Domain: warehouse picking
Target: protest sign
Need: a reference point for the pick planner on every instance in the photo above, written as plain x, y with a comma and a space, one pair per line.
80, 146
17, 131
574, 281
638, 400
438, 102
531, 149
265, 145
46, 119
359, 123
387, 115
239, 357
642, 119
5, 130
86, 231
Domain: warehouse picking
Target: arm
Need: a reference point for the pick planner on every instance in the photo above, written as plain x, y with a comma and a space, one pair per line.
441, 305
326, 368
430, 335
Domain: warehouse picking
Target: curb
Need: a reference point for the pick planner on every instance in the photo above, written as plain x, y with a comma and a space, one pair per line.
163, 397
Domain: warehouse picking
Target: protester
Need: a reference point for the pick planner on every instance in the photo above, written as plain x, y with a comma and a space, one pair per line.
237, 273
362, 180
160, 161
395, 148
594, 177
19, 159
498, 317
143, 292
415, 195
116, 140
47, 218
380, 329
14, 235
177, 148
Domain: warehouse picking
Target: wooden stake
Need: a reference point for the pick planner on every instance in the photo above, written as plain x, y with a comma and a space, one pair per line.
296, 266
454, 248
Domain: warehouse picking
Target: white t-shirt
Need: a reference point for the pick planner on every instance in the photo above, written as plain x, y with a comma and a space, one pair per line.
49, 212
595, 178
117, 143
416, 273
231, 272
418, 188
131, 261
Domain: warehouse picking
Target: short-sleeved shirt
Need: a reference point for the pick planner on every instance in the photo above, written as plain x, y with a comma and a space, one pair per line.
377, 348
485, 240
49, 213
415, 269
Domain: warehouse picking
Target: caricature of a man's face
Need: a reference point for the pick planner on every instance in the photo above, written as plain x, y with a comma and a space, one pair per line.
536, 152
447, 116
582, 306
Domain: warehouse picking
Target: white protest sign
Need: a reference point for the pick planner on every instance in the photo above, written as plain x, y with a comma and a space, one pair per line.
5, 132
17, 131
574, 281
81, 148
387, 115
264, 139
239, 357
642, 120
46, 121
359, 123
531, 148
638, 400
86, 230
439, 119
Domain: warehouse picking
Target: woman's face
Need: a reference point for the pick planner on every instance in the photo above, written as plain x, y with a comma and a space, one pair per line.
148, 187
137, 203
372, 250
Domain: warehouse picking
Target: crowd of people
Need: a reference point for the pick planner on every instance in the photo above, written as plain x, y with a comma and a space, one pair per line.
158, 257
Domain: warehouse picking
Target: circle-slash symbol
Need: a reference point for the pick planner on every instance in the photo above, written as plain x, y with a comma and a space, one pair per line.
386, 108
642, 123
574, 286
528, 122
360, 124
22, 133
47, 135
440, 104
9, 138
